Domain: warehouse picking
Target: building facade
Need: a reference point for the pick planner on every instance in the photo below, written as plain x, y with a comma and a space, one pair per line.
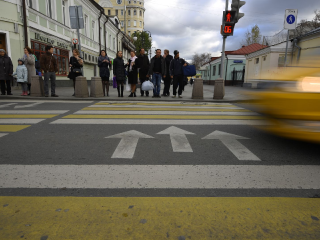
129, 12
48, 23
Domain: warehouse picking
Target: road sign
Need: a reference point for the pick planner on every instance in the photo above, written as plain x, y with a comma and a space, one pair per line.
76, 17
75, 41
290, 18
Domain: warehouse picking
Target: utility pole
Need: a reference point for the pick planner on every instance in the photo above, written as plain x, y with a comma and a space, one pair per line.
25, 27
125, 17
222, 73
78, 31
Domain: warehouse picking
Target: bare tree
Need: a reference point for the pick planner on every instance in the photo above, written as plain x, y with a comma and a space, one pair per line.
305, 26
252, 36
199, 59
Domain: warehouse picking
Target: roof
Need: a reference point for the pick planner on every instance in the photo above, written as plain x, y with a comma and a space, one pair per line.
248, 49
314, 31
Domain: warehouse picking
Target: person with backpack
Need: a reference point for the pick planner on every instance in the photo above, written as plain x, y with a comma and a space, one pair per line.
75, 64
176, 73
104, 65
30, 63
22, 76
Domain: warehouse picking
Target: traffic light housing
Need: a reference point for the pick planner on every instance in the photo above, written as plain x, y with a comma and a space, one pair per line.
235, 6
228, 23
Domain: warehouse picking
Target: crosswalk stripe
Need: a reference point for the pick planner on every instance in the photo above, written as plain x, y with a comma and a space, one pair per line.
20, 121
166, 109
12, 128
164, 117
3, 134
27, 116
46, 101
160, 122
161, 176
164, 104
166, 113
33, 111
133, 107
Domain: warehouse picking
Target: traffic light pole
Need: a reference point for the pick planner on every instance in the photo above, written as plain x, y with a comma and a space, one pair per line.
223, 55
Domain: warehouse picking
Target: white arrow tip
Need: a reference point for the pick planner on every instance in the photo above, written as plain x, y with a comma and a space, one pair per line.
175, 131
223, 136
130, 134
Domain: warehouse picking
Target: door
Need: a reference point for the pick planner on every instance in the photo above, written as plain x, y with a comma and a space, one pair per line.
3, 44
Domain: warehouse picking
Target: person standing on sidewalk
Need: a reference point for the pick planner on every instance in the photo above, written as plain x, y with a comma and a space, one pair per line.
104, 64
132, 74
30, 63
176, 73
49, 66
143, 63
22, 76
167, 79
119, 72
75, 64
6, 70
157, 70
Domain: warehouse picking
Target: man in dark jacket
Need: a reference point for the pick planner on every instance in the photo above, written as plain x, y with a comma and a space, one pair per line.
49, 66
143, 63
176, 73
6, 71
167, 79
157, 70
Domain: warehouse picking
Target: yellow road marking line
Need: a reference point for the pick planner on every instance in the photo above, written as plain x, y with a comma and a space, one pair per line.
168, 109
13, 128
160, 117
27, 116
159, 218
167, 104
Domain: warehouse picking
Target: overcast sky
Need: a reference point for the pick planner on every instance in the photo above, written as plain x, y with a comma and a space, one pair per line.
194, 25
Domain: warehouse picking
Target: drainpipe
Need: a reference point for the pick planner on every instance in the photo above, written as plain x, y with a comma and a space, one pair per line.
118, 40
99, 30
105, 36
296, 45
25, 27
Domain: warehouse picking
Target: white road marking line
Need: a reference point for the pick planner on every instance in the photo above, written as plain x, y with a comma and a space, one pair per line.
6, 105
128, 143
161, 176
161, 103
20, 121
28, 105
2, 135
156, 106
33, 111
232, 143
179, 141
46, 101
160, 122
164, 113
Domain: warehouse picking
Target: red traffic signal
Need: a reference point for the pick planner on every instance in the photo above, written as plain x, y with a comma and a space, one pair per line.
227, 29
229, 17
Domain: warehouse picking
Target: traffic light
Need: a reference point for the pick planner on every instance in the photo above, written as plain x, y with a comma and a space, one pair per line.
228, 23
235, 6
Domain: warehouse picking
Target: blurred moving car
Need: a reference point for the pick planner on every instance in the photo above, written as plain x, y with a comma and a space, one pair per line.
292, 107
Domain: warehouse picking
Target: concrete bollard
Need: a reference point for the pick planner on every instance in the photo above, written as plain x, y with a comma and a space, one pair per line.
219, 89
81, 90
197, 91
96, 87
37, 86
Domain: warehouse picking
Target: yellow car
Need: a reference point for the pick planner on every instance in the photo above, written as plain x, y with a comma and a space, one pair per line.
292, 108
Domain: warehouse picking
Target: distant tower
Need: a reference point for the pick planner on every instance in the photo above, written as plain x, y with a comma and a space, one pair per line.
134, 13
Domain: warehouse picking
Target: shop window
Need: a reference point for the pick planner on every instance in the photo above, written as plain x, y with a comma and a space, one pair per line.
61, 56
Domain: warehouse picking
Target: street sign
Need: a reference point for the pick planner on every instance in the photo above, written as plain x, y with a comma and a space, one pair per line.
76, 17
290, 18
75, 41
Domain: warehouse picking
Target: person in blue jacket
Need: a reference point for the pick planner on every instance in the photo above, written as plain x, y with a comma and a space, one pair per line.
22, 76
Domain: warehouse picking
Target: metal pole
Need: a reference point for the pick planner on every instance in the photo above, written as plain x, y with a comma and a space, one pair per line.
25, 27
125, 18
285, 58
78, 32
223, 49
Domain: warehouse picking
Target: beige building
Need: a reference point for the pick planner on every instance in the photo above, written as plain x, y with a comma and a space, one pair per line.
129, 12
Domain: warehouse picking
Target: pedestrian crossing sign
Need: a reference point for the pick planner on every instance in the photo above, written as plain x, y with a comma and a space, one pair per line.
290, 18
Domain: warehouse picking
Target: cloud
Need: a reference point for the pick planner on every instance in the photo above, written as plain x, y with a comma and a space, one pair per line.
194, 26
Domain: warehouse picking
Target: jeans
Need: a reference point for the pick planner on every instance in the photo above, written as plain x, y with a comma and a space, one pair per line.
156, 79
52, 77
177, 80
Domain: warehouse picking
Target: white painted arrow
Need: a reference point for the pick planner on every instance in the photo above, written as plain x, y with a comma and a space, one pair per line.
232, 143
178, 138
28, 105
128, 143
7, 105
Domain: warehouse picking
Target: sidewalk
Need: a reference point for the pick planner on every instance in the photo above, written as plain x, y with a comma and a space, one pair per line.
232, 94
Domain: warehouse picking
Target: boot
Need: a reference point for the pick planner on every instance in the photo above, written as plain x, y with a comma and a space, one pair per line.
134, 94
108, 89
22, 93
131, 95
122, 91
26, 93
118, 88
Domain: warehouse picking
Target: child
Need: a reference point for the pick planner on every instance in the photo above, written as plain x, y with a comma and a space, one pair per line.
22, 76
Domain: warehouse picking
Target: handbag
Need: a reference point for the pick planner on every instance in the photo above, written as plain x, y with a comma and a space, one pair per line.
189, 71
147, 86
114, 81
128, 88
75, 70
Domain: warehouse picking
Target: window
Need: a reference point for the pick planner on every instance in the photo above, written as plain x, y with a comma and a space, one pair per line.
129, 2
135, 12
214, 70
114, 44
30, 4
140, 13
129, 33
135, 2
122, 12
129, 23
264, 58
93, 28
140, 24
85, 25
64, 11
109, 12
122, 23
61, 55
134, 23
117, 12
129, 12
257, 60
219, 69
49, 9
